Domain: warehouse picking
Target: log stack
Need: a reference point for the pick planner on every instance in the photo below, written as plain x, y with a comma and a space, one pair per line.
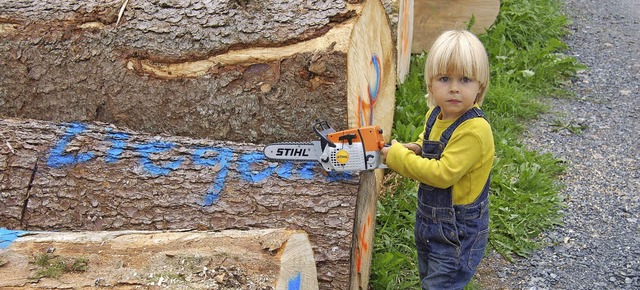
150, 115
97, 177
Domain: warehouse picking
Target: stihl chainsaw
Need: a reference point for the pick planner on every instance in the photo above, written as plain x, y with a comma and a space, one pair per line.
349, 150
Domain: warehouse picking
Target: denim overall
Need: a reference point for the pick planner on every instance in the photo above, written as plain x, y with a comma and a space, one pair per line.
450, 238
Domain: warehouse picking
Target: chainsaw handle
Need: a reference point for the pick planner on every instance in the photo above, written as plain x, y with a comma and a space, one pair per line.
323, 129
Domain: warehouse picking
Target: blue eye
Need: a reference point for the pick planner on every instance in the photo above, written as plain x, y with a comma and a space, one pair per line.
466, 80
444, 79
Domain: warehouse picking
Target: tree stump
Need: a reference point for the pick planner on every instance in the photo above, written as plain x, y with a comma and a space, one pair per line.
244, 71
262, 259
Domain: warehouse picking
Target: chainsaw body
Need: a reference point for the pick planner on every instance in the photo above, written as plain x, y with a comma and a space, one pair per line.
349, 150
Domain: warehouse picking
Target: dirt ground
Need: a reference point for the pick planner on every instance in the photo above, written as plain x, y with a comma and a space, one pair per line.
487, 274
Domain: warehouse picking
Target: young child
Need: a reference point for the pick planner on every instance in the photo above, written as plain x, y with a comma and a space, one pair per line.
452, 160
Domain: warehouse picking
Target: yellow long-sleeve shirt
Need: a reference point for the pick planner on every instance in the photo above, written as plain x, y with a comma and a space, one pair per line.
465, 163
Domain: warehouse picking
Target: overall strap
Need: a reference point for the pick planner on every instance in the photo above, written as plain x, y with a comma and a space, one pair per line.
430, 121
472, 113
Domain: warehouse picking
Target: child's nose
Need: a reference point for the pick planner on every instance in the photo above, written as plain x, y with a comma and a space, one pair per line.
454, 86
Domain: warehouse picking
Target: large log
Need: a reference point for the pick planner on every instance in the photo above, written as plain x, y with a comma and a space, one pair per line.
95, 177
258, 259
244, 71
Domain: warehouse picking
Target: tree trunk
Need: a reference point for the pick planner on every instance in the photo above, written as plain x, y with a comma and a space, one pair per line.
236, 70
264, 259
95, 177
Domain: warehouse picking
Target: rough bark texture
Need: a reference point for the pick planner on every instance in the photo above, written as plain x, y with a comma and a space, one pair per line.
258, 259
97, 177
248, 71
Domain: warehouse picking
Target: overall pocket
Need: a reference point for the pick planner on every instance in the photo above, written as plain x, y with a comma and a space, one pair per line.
478, 248
432, 149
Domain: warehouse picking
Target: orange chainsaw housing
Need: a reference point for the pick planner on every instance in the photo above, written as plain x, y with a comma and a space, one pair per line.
370, 137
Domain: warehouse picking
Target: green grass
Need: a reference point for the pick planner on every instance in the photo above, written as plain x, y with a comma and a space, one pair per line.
527, 66
51, 266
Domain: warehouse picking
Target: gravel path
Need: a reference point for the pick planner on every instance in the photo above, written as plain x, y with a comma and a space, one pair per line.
598, 247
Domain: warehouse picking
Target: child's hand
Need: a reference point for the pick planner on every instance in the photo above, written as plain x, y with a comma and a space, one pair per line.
385, 150
414, 147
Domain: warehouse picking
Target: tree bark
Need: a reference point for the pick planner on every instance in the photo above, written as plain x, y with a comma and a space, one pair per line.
265, 259
96, 177
237, 70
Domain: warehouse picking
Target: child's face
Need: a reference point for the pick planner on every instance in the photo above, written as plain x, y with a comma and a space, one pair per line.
454, 93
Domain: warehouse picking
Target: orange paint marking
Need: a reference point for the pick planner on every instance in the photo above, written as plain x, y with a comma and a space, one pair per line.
364, 111
363, 244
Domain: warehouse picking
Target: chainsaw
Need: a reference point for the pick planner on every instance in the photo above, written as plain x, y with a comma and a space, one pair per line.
349, 150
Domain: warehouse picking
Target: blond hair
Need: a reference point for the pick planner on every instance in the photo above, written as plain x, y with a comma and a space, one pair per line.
457, 52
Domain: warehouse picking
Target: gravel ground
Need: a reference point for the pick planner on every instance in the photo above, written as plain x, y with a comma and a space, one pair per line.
598, 247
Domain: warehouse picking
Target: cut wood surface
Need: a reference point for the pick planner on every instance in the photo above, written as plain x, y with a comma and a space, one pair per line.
244, 71
404, 38
256, 259
371, 70
95, 176
432, 17
364, 229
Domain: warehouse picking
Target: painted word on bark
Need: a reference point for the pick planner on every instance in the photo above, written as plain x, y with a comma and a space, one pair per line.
208, 156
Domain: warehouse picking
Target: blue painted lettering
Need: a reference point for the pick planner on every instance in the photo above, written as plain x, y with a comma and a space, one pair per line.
58, 158
222, 158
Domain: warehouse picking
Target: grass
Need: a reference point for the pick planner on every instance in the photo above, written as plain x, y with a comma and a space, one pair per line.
51, 266
527, 65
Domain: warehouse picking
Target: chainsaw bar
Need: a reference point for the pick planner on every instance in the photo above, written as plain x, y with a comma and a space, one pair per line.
293, 151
